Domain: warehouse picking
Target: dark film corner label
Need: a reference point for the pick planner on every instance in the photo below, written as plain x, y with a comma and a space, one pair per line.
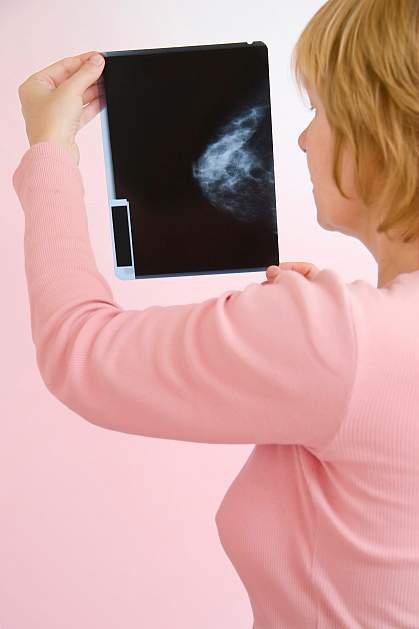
121, 236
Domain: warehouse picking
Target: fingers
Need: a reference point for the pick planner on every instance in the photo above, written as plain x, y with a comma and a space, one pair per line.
304, 268
94, 91
60, 71
91, 110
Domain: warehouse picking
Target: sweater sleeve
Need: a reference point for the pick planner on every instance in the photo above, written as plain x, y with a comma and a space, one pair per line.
271, 364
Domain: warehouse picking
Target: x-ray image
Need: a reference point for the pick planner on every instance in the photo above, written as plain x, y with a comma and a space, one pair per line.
235, 172
188, 151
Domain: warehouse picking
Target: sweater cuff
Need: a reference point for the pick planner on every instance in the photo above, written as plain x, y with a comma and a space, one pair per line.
66, 175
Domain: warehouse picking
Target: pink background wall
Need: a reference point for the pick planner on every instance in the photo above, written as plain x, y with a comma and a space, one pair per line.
107, 530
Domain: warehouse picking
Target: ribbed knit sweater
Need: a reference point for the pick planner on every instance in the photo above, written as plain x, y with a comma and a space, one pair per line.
322, 376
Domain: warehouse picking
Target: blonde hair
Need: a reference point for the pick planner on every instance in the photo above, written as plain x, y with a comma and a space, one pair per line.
362, 56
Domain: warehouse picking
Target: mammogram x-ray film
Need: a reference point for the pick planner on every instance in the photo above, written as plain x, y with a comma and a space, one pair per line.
188, 150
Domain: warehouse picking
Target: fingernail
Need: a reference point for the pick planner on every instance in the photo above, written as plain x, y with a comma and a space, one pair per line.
97, 60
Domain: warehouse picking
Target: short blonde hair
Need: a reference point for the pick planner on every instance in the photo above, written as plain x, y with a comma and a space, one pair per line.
362, 56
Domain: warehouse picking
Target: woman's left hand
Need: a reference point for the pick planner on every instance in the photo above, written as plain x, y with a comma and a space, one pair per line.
59, 100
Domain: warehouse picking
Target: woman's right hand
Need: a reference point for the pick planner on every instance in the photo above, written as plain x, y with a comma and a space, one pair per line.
305, 268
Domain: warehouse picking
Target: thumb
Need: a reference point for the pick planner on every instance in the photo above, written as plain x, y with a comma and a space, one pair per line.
88, 73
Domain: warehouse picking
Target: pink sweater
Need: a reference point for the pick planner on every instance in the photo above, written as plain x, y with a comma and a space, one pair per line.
322, 522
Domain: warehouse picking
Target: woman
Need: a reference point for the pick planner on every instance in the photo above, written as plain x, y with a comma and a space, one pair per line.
322, 522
